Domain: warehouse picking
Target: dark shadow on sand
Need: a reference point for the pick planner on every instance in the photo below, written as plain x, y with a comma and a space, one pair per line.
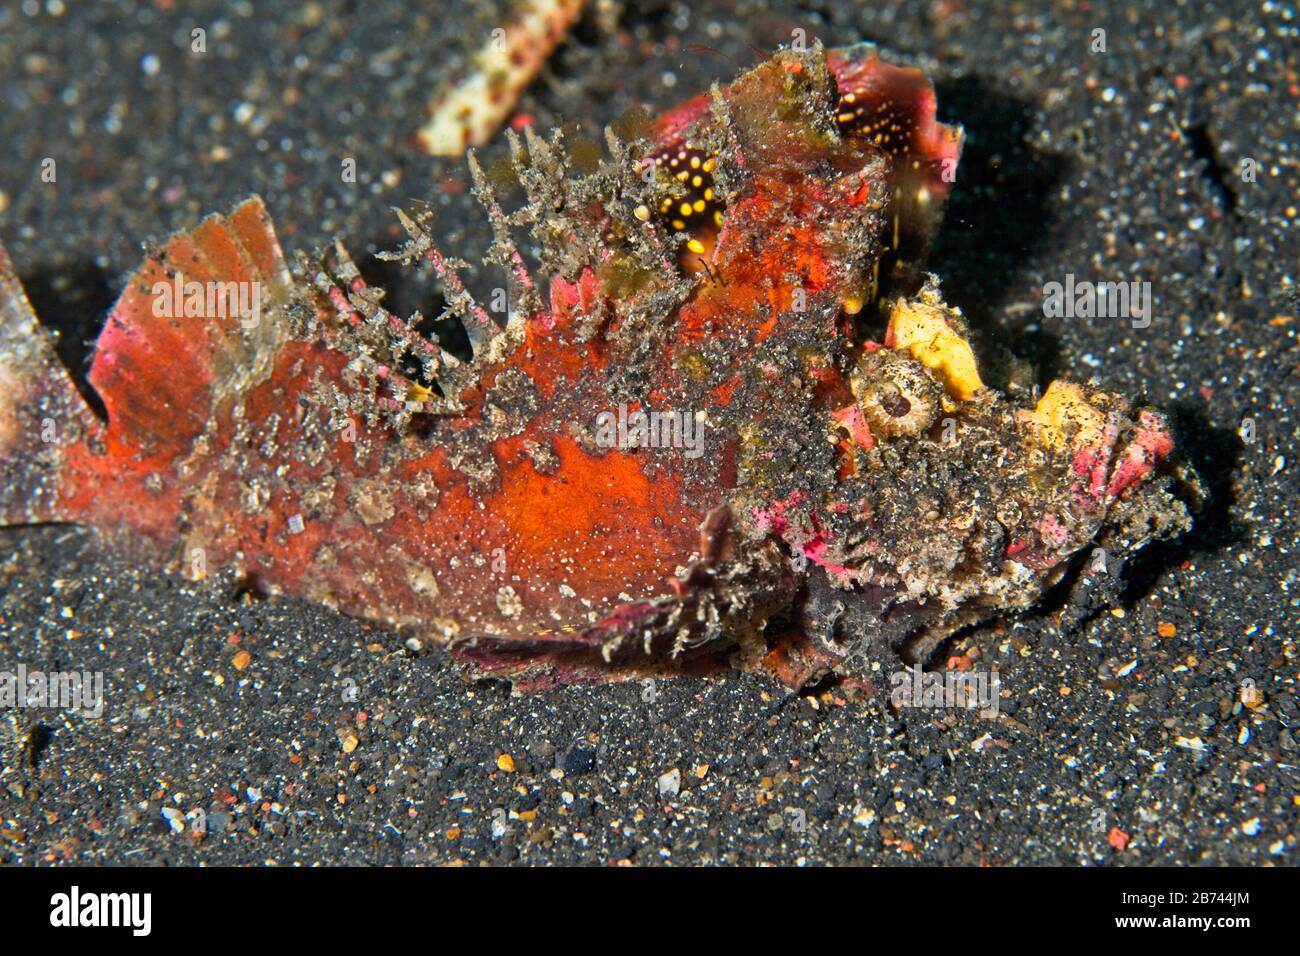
72, 301
998, 217
1215, 454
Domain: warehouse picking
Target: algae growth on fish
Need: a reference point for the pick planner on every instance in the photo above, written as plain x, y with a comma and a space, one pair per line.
729, 421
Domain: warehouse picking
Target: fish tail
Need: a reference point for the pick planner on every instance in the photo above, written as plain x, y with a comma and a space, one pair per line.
42, 415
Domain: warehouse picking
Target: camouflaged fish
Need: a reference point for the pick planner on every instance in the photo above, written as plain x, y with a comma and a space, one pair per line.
735, 426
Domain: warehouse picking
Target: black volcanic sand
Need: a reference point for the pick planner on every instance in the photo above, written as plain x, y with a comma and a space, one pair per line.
1122, 738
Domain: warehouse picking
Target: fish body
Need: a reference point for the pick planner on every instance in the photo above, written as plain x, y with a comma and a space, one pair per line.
686, 448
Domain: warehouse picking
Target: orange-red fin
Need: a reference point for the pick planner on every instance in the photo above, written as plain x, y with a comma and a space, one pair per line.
894, 107
203, 313
204, 317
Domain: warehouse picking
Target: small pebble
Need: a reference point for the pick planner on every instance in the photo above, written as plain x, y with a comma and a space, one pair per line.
670, 783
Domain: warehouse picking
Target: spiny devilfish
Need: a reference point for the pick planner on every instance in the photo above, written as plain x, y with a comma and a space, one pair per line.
853, 498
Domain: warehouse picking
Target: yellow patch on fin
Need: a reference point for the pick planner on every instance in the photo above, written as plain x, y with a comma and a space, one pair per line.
1064, 419
936, 338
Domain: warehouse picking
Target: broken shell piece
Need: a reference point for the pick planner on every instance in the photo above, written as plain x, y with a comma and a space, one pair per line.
467, 112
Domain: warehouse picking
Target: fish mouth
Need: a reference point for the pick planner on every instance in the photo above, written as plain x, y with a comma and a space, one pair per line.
736, 615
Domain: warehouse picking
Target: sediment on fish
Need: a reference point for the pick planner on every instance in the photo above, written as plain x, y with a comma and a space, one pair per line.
838, 484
